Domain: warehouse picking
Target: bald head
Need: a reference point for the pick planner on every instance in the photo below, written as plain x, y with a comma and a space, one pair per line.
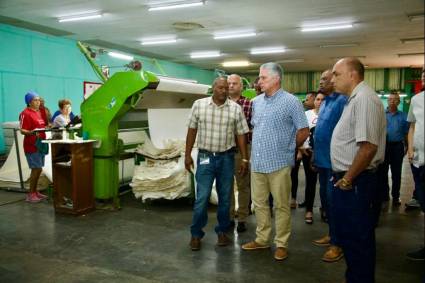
235, 86
347, 74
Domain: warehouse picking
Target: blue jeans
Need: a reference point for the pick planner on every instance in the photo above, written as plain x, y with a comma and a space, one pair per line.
419, 178
326, 187
355, 226
209, 167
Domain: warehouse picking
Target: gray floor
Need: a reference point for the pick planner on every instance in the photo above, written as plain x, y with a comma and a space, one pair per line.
149, 243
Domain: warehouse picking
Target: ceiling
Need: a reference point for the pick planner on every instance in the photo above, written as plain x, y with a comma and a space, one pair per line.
379, 26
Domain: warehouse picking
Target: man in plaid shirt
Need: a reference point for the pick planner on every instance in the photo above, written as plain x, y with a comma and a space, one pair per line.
243, 182
214, 122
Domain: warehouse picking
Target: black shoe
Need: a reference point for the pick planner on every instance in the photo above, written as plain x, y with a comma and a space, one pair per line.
417, 255
241, 227
396, 202
303, 204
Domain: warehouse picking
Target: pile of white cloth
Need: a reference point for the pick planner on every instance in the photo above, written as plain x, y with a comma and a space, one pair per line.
157, 177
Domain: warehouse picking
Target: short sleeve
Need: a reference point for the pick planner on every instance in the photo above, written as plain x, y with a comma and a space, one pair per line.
298, 115
367, 119
411, 116
194, 116
241, 124
25, 121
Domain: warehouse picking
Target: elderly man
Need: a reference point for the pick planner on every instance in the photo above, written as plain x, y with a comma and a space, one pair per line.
329, 115
244, 187
397, 128
216, 121
357, 149
279, 126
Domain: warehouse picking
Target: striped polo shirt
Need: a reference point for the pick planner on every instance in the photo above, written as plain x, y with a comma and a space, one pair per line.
217, 125
363, 120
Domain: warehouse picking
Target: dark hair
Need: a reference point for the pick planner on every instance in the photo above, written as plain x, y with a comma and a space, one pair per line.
63, 102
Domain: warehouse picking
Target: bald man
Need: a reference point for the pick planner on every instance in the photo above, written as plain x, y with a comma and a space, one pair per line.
215, 120
244, 188
357, 149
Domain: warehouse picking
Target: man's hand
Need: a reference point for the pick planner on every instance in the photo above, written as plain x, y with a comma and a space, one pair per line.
344, 184
244, 168
410, 154
188, 163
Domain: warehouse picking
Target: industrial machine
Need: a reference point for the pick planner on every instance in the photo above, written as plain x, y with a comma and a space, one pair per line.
123, 93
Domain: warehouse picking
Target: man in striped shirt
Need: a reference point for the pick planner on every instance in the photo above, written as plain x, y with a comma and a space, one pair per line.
244, 187
215, 121
357, 149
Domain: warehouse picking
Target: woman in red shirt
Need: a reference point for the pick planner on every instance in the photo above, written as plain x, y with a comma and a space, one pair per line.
31, 119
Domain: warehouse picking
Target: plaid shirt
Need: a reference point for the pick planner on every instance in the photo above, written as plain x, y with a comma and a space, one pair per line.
217, 125
246, 105
276, 120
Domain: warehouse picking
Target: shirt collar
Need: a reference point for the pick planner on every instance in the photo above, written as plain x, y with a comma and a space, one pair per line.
211, 102
356, 90
276, 94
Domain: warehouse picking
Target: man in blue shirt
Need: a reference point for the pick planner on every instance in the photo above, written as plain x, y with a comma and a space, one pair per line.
397, 129
279, 126
329, 114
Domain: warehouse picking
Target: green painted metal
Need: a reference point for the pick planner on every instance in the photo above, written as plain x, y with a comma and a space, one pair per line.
100, 114
95, 67
249, 93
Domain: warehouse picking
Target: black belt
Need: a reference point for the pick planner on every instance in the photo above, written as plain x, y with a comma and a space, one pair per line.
339, 175
395, 143
232, 150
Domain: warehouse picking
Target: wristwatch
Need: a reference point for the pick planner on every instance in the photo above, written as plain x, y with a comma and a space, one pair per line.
346, 183
245, 160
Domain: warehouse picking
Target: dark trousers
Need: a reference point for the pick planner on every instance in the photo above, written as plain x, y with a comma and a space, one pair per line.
419, 178
326, 187
394, 153
310, 181
355, 226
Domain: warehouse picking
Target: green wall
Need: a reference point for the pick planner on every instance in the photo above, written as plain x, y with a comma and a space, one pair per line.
55, 68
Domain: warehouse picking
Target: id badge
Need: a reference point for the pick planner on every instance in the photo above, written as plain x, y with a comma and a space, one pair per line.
204, 160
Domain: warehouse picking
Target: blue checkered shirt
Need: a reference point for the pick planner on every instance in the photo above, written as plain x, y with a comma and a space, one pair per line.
275, 122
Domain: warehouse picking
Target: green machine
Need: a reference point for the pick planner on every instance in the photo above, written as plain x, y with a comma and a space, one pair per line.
120, 94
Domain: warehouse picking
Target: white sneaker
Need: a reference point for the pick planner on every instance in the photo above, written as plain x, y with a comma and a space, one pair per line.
413, 203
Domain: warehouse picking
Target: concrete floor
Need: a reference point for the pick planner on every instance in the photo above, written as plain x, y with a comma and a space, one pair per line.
149, 243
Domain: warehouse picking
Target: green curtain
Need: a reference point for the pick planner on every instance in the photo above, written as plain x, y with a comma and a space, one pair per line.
395, 79
375, 78
316, 80
295, 82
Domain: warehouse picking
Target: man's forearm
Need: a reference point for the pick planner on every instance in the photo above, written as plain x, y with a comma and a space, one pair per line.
361, 161
410, 136
190, 140
241, 139
302, 135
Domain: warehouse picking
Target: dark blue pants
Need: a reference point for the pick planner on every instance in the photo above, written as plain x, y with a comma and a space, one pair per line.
326, 187
394, 153
210, 167
355, 226
419, 178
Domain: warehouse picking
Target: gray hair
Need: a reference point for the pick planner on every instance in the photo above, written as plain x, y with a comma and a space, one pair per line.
236, 75
274, 69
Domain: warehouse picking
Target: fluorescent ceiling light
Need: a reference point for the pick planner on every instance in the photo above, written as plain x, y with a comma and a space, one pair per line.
206, 54
291, 61
339, 45
158, 41
326, 27
80, 17
120, 56
236, 64
268, 50
342, 57
411, 54
234, 35
176, 6
412, 40
416, 17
